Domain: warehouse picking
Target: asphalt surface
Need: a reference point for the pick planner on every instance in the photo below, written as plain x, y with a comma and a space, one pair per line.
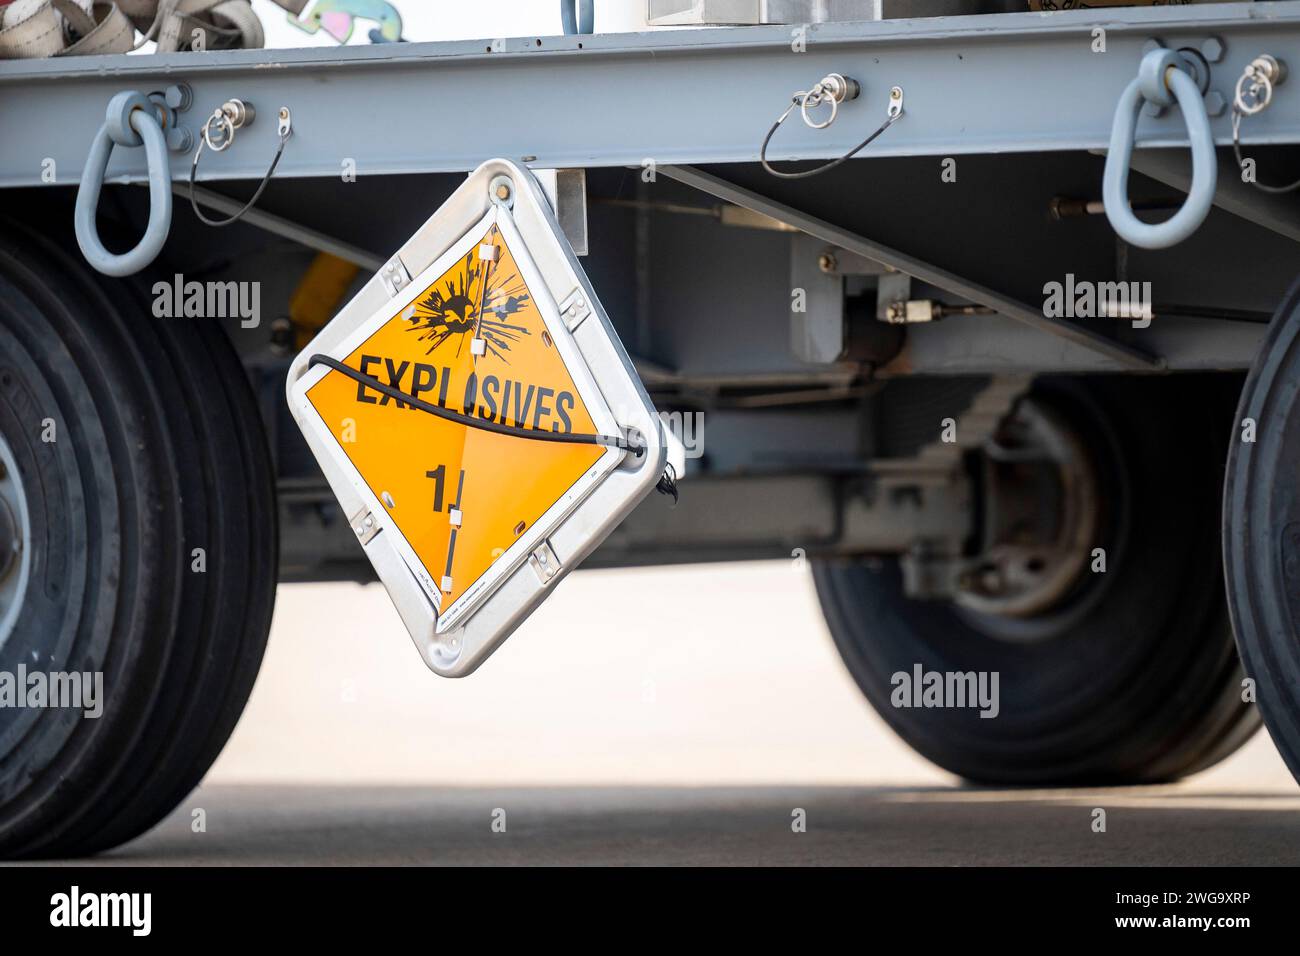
721, 826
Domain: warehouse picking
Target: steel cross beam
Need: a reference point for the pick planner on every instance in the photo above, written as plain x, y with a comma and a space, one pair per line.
1117, 352
973, 84
280, 226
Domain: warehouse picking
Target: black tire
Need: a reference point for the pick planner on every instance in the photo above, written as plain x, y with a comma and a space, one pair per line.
159, 450
1134, 677
1261, 529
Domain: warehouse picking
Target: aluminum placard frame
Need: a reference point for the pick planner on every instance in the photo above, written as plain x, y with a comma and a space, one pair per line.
570, 532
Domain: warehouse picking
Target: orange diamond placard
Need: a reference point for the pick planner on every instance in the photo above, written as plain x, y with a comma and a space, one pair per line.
475, 342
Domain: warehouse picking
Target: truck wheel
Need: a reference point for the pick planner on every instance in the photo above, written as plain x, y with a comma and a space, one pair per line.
1261, 529
1128, 675
138, 541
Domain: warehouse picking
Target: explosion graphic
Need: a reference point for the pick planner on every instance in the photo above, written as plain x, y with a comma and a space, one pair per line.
475, 302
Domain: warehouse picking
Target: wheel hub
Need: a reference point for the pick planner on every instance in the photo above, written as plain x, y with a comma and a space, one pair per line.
15, 543
1042, 514
10, 549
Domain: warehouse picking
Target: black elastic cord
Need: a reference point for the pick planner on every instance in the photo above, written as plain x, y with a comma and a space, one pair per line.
567, 438
667, 484
1263, 187
1237, 117
762, 151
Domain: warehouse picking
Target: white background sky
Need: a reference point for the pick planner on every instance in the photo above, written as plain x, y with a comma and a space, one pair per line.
446, 20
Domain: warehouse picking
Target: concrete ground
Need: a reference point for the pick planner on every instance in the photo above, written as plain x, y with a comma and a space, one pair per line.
721, 826
671, 715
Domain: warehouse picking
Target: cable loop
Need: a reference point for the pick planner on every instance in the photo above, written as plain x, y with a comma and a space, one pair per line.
1254, 93
835, 89
223, 118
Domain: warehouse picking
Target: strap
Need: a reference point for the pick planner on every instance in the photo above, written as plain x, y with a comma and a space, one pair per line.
64, 27
144, 12
242, 18
178, 25
79, 20
42, 32
105, 29
141, 12
37, 35
225, 23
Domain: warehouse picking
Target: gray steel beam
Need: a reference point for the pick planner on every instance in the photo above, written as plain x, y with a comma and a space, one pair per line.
1121, 355
992, 344
717, 519
975, 84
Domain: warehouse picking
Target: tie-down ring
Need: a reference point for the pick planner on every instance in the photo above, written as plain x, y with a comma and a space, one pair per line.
1162, 79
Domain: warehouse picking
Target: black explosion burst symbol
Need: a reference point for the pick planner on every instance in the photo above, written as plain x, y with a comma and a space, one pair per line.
471, 306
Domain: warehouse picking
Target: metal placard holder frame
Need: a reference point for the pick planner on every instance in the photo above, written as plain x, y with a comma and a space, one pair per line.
520, 581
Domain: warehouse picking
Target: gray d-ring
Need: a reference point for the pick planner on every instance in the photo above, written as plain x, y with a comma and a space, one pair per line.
131, 120
1162, 79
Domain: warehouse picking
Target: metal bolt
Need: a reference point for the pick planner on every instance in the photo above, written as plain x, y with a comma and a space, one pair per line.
501, 189
180, 139
1215, 104
179, 97
1212, 49
895, 101
827, 262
